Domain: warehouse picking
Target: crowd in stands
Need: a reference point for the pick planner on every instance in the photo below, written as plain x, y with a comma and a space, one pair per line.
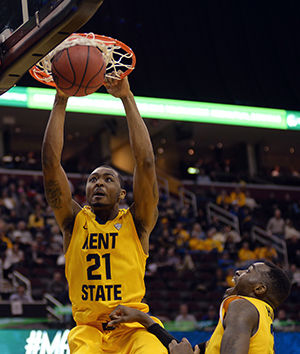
205, 254
192, 260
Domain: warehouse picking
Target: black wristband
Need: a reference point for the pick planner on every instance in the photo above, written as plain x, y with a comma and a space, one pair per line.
202, 347
164, 336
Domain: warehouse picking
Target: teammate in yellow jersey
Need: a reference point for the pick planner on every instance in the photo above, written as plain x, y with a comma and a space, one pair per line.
246, 315
105, 248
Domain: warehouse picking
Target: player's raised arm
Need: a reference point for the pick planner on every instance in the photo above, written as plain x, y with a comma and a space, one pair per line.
240, 323
145, 190
57, 189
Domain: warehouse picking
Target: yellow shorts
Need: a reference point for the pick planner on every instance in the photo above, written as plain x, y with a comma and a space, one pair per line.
125, 339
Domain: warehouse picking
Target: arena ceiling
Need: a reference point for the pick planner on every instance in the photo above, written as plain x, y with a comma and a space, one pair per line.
240, 52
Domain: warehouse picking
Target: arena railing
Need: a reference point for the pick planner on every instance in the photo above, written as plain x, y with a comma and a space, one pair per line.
18, 277
188, 198
222, 215
53, 303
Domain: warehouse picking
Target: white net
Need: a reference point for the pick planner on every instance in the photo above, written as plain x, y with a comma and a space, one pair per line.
117, 59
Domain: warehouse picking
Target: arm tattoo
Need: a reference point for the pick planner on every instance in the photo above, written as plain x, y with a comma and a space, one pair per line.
53, 193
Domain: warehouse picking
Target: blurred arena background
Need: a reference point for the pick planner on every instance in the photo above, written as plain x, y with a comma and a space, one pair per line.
229, 175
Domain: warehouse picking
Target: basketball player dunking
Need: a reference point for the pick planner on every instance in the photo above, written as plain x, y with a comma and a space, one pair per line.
105, 248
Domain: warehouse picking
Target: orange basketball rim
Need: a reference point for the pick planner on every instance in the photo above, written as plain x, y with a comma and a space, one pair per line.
119, 58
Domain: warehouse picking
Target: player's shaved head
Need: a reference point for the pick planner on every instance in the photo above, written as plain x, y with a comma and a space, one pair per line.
278, 283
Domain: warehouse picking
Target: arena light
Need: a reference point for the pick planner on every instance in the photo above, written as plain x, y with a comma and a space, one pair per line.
158, 108
193, 170
293, 120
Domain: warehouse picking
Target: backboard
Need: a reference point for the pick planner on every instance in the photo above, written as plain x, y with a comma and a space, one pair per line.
29, 29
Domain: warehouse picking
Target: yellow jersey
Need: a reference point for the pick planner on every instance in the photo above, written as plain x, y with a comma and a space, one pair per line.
105, 266
262, 341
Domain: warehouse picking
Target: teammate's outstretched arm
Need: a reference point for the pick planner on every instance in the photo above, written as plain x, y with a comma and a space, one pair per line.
240, 323
145, 190
123, 314
56, 184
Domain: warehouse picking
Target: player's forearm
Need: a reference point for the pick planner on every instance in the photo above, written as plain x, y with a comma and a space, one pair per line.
138, 133
53, 138
145, 320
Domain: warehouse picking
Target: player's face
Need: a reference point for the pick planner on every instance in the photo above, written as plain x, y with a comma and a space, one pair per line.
246, 280
103, 188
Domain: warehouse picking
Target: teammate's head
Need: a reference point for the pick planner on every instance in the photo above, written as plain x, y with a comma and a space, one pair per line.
262, 280
104, 188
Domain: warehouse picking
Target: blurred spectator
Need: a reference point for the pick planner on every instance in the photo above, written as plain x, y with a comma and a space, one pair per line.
210, 319
36, 220
225, 261
172, 260
23, 207
201, 219
13, 256
211, 315
276, 224
276, 171
229, 232
49, 217
21, 295
182, 236
229, 278
245, 255
163, 225
246, 220
223, 198
22, 234
290, 231
8, 201
57, 236
281, 321
54, 247
238, 197
184, 216
231, 247
13, 217
218, 235
32, 161
227, 166
267, 252
215, 223
295, 274
35, 256
185, 316
169, 211
294, 172
58, 287
236, 210
55, 242
3, 237
197, 231
157, 260
250, 202
166, 238
185, 264
208, 244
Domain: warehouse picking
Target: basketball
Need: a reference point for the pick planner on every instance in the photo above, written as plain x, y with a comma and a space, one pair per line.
78, 70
